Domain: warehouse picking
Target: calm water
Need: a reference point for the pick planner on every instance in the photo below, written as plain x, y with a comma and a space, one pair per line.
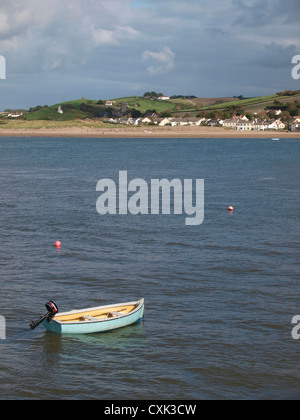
220, 297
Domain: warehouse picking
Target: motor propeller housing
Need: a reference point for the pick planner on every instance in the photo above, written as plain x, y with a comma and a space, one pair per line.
52, 309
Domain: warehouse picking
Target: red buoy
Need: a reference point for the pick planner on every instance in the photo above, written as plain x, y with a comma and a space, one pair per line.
230, 208
58, 244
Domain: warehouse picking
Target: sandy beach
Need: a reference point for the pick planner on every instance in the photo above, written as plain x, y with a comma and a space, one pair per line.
142, 132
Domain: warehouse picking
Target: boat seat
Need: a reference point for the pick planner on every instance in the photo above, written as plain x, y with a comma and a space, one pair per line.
113, 314
89, 318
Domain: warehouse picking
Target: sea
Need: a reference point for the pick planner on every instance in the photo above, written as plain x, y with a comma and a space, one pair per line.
220, 297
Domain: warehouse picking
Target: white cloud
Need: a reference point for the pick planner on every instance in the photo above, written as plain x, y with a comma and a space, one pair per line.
114, 36
17, 18
190, 44
66, 29
162, 62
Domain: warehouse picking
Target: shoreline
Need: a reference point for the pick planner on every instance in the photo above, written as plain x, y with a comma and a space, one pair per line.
143, 132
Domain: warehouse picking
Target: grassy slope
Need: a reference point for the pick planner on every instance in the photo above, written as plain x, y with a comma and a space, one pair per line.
255, 104
51, 114
144, 105
180, 106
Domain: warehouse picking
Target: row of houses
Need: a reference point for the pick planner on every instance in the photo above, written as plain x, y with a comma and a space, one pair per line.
161, 122
241, 123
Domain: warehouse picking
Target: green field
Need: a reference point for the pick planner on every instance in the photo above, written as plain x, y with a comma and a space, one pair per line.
51, 114
254, 104
71, 111
185, 106
74, 110
144, 105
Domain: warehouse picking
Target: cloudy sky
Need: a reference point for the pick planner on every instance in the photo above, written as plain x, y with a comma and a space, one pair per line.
59, 50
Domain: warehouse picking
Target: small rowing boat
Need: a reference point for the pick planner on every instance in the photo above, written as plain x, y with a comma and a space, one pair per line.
92, 320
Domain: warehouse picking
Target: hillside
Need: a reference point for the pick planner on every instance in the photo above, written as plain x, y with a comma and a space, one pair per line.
257, 104
143, 105
87, 108
72, 110
81, 109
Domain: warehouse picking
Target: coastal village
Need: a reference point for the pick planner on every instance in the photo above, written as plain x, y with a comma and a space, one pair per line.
240, 123
236, 122
278, 112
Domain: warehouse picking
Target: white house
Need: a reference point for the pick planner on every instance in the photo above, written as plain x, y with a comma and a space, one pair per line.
244, 125
163, 98
294, 124
196, 121
193, 121
14, 115
276, 125
260, 125
165, 121
179, 121
230, 123
146, 120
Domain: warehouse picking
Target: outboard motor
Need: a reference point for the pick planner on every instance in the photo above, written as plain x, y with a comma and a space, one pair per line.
52, 311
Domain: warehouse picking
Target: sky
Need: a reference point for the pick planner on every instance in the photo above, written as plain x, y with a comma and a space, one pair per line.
60, 50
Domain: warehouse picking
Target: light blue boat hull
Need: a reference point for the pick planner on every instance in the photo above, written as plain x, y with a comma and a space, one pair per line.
99, 326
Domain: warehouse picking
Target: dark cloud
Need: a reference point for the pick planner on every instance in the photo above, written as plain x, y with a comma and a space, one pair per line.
256, 13
259, 13
276, 56
216, 32
290, 9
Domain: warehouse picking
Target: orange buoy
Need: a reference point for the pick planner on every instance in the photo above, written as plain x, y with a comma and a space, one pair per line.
58, 244
230, 208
